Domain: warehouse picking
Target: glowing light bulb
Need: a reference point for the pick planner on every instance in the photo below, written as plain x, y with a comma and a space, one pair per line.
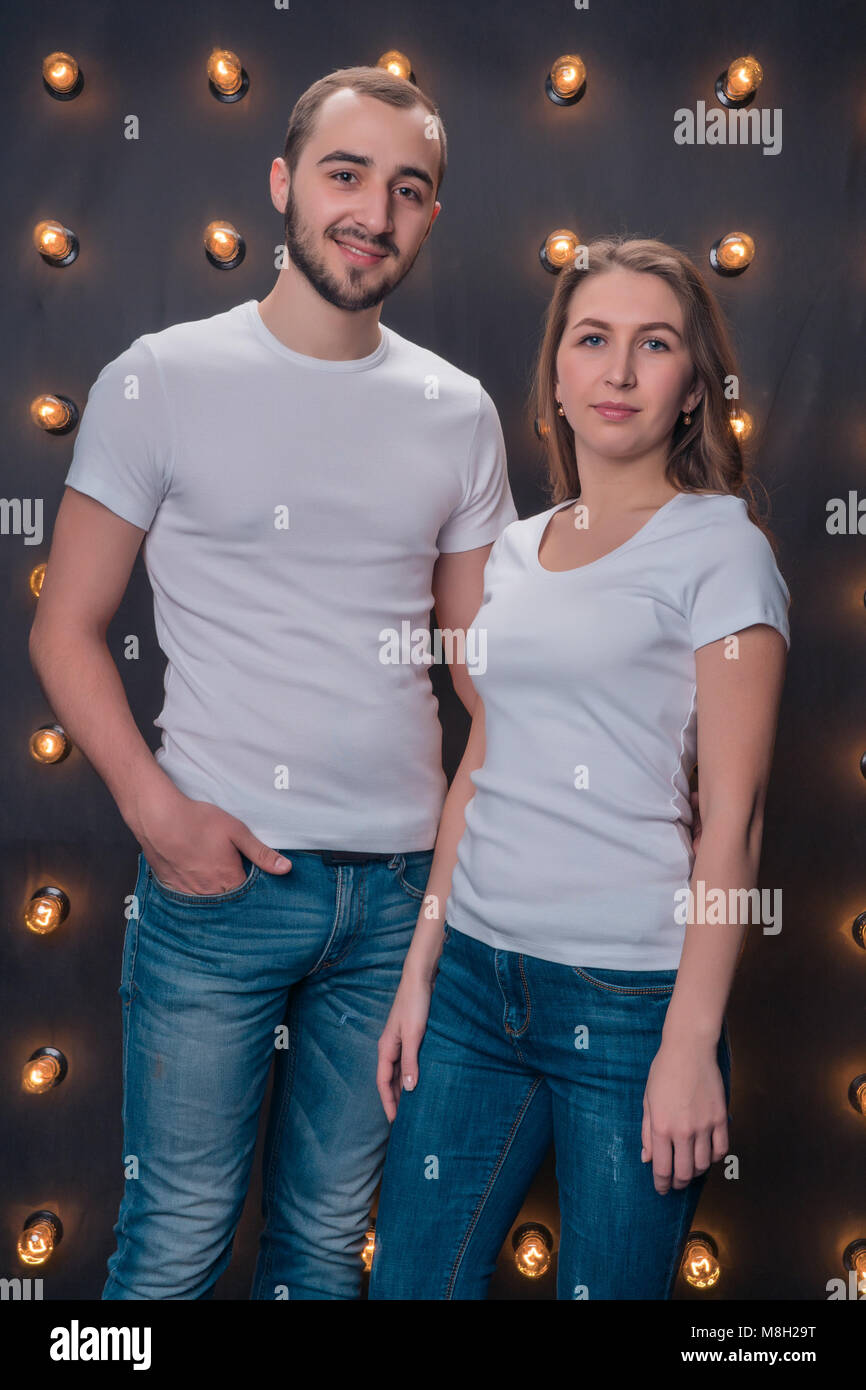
741, 424
36, 577
55, 243
743, 78
54, 414
47, 908
858, 926
369, 1248
62, 76
49, 744
700, 1266
224, 245
860, 1268
226, 76
43, 1071
566, 80
857, 1094
533, 1247
558, 250
732, 253
42, 1232
397, 63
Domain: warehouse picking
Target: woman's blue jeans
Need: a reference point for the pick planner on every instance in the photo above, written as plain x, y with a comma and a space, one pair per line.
299, 969
503, 1072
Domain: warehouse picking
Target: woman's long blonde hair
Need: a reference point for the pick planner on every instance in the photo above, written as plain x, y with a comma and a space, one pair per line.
704, 455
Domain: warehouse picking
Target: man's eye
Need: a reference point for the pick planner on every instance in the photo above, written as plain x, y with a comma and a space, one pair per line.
347, 173
414, 192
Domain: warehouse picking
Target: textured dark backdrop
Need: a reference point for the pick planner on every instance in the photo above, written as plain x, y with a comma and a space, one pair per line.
519, 167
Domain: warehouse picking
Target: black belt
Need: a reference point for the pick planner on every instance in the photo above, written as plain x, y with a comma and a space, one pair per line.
347, 856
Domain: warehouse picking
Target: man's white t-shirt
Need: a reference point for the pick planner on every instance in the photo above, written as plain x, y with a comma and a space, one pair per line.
294, 510
578, 835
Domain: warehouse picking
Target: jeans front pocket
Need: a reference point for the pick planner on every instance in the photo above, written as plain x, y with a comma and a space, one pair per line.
175, 895
629, 981
413, 871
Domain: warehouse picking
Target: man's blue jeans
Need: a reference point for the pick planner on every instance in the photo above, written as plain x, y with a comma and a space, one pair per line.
503, 1072
300, 969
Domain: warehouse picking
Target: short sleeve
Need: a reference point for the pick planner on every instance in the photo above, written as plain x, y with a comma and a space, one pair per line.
737, 584
486, 506
122, 453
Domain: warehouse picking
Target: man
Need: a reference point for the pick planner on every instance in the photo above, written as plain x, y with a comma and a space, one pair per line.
308, 481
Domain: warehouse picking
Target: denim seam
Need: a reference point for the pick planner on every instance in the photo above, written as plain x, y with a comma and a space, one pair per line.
518, 1120
359, 918
126, 1029
337, 911
622, 989
269, 1178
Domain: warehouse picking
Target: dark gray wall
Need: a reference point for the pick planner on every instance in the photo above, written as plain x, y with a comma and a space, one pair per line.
519, 167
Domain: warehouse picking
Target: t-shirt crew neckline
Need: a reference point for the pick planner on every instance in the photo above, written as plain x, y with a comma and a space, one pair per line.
301, 359
617, 550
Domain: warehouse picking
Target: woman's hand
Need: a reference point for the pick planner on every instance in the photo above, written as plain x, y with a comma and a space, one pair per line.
400, 1040
685, 1114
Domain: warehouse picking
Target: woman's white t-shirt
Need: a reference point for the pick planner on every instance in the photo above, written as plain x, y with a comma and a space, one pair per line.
578, 842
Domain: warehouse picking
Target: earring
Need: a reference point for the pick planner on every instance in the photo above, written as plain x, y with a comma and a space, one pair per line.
687, 419
559, 409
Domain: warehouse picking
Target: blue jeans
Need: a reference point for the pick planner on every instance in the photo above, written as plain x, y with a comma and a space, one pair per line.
501, 1076
299, 969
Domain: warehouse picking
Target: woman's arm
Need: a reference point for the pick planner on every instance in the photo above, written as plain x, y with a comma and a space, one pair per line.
739, 685
401, 1037
426, 948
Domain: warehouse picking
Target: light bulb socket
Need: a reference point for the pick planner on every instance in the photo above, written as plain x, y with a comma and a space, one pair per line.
557, 98
51, 1218
235, 260
532, 1228
231, 96
73, 92
73, 415
71, 255
856, 1085
51, 892
851, 1251
726, 100
58, 1057
704, 1238
547, 262
720, 269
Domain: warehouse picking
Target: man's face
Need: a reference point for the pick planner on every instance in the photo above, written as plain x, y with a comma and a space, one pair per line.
364, 180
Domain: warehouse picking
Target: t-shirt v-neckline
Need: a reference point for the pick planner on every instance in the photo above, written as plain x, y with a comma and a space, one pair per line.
548, 516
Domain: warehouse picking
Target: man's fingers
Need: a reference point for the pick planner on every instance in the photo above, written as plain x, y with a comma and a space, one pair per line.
268, 859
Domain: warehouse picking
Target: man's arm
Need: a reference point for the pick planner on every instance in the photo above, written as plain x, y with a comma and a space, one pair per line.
91, 558
92, 554
458, 586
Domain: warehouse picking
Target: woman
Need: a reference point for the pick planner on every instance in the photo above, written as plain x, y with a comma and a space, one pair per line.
581, 992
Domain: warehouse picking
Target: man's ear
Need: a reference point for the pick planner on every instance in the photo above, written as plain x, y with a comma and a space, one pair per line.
437, 208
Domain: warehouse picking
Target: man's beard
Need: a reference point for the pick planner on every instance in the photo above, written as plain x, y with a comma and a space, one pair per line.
351, 294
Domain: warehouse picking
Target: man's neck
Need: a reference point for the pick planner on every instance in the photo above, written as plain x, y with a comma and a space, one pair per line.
305, 322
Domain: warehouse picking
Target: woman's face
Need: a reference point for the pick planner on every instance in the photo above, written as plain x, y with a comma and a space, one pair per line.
623, 343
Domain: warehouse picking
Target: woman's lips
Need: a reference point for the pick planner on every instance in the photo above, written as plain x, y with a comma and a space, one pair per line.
608, 412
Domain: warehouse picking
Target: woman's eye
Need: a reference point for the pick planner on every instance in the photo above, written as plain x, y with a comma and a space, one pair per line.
586, 339
660, 342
